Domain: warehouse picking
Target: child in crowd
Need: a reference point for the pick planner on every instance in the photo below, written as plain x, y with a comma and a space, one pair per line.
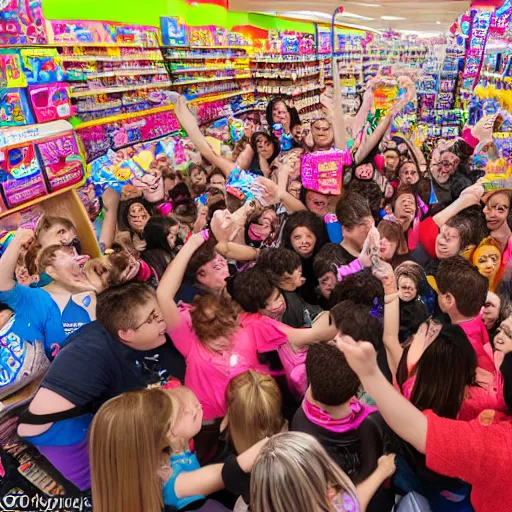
140, 455
285, 269
253, 399
354, 215
125, 349
162, 243
216, 329
458, 449
352, 433
305, 234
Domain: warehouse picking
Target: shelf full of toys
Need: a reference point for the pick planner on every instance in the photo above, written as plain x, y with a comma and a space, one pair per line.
289, 67
437, 89
112, 69
41, 162
208, 62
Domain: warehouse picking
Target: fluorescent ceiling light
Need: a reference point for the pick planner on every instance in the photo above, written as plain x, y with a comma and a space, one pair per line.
392, 18
304, 14
365, 4
353, 16
419, 33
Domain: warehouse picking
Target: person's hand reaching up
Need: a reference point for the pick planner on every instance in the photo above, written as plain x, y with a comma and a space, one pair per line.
383, 271
370, 249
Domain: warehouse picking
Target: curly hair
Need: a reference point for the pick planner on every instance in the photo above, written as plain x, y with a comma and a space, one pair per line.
214, 317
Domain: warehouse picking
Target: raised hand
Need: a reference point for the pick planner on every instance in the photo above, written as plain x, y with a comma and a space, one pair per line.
386, 465
370, 249
24, 236
383, 271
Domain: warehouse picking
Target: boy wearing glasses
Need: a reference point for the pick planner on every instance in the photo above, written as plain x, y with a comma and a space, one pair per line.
125, 349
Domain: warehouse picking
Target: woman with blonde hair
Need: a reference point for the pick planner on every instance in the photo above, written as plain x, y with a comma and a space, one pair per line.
140, 457
294, 473
254, 405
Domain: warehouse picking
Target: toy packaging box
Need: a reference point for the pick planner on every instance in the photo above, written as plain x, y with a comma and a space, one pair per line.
11, 73
14, 108
62, 161
21, 175
50, 102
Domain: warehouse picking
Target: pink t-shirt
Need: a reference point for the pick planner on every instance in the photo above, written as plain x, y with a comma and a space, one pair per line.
208, 373
479, 338
294, 364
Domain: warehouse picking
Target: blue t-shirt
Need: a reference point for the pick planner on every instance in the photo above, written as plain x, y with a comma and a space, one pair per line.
183, 463
92, 368
37, 317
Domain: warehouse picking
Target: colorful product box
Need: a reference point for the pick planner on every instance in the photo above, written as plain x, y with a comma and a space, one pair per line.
50, 102
62, 161
14, 108
22, 178
11, 73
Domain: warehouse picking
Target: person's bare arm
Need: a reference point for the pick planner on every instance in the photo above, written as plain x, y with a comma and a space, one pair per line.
403, 417
189, 124
207, 480
9, 259
469, 197
366, 490
172, 279
384, 272
323, 329
373, 140
108, 228
338, 116
359, 120
237, 252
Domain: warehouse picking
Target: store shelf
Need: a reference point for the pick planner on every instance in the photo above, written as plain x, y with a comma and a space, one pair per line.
112, 90
287, 61
126, 72
40, 199
205, 80
107, 58
207, 57
191, 70
213, 47
123, 117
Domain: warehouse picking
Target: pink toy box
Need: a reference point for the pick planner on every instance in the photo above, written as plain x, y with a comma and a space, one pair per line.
62, 161
50, 102
322, 171
22, 179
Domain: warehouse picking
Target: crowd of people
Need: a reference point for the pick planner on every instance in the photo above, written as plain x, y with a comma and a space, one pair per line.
249, 342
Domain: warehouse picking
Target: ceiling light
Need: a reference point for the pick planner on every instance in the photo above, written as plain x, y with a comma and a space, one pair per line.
392, 18
439, 23
353, 16
365, 4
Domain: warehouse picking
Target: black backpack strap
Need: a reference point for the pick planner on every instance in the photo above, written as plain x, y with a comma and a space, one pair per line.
41, 419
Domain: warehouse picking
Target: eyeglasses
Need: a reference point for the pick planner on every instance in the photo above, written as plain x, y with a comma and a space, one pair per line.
447, 163
155, 315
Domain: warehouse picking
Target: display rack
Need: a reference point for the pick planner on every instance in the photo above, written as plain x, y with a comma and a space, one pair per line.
197, 71
437, 90
298, 78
